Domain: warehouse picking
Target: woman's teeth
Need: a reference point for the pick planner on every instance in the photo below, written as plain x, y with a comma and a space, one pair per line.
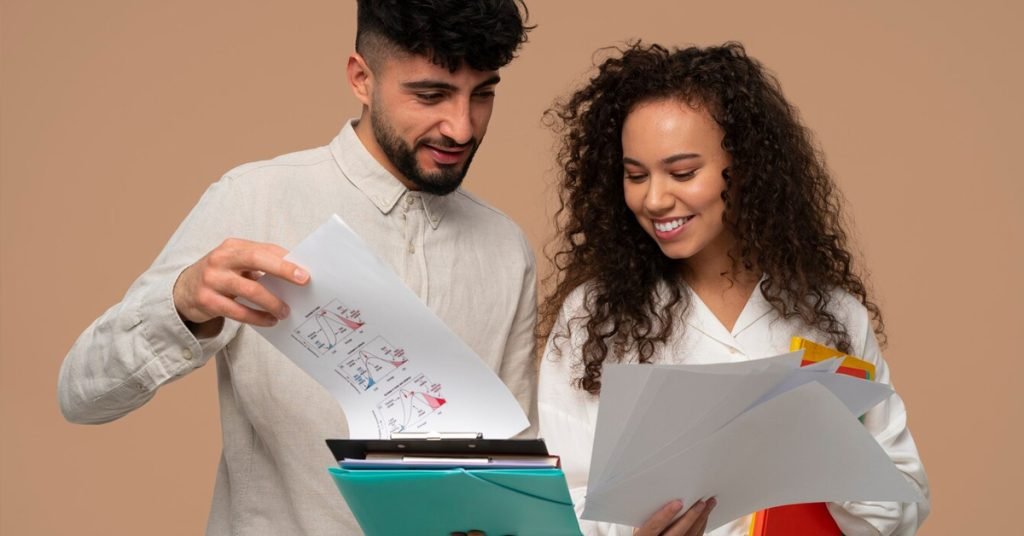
670, 225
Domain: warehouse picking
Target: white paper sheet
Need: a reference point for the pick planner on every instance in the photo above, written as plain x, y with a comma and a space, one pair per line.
388, 360
688, 408
704, 401
800, 444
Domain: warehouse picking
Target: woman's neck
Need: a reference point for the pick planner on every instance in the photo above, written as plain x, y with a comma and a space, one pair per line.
723, 287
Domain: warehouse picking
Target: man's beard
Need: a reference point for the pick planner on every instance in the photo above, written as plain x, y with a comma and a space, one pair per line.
441, 182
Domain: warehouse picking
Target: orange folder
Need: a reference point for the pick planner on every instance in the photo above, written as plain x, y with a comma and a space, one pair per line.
810, 519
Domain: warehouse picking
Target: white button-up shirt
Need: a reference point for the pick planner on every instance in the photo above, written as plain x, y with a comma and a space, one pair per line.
468, 262
568, 414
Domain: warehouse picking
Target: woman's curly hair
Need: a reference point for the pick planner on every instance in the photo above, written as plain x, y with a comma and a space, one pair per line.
780, 204
484, 34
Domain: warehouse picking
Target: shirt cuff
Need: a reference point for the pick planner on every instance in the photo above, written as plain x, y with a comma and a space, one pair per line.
175, 350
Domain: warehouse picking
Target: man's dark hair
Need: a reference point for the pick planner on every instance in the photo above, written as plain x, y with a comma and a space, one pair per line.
483, 34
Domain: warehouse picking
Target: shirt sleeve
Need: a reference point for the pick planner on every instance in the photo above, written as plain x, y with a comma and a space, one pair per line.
118, 363
887, 422
518, 365
566, 423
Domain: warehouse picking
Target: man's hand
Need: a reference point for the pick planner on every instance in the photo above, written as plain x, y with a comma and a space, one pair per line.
693, 522
205, 292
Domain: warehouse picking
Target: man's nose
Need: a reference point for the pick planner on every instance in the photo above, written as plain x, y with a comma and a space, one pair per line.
458, 125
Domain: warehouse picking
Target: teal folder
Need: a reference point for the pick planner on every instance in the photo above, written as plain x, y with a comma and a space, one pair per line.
521, 502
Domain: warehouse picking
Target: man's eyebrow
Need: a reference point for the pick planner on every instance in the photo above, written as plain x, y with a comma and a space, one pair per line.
429, 84
489, 82
446, 86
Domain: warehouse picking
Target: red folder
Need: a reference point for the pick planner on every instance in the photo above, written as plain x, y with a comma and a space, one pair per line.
811, 519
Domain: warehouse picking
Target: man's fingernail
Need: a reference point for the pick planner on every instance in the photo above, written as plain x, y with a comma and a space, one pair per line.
301, 275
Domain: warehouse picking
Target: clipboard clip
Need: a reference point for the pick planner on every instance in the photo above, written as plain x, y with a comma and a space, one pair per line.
435, 436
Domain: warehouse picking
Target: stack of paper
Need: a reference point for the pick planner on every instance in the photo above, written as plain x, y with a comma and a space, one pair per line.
753, 435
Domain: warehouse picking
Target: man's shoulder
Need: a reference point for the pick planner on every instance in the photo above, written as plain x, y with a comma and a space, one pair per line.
289, 164
477, 208
485, 218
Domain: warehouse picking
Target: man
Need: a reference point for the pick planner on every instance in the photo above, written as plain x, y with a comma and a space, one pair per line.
425, 73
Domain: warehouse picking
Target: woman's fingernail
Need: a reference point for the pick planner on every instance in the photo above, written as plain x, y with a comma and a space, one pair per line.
300, 275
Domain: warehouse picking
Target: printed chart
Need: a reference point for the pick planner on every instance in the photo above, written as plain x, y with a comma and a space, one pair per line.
328, 326
369, 364
408, 405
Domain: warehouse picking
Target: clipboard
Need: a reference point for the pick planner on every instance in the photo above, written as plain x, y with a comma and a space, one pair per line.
415, 500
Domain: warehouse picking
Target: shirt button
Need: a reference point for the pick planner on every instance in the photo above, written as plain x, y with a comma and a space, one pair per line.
733, 351
187, 354
409, 200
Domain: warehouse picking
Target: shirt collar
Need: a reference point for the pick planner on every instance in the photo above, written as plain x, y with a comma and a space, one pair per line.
377, 183
704, 320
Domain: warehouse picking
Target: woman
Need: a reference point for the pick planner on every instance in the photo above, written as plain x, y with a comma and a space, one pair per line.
699, 224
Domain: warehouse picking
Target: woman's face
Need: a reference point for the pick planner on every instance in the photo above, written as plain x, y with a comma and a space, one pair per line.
673, 161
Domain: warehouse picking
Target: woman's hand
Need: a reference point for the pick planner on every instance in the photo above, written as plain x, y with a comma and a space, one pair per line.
692, 523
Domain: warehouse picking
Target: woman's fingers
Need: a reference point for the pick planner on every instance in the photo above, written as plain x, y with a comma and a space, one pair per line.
694, 521
660, 519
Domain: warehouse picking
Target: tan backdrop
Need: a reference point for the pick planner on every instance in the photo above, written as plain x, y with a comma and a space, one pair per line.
116, 115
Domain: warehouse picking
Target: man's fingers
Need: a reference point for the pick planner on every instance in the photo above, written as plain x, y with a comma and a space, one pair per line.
240, 256
228, 308
240, 287
269, 258
204, 290
660, 519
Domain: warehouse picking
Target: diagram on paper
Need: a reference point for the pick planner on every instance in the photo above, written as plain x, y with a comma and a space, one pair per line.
370, 364
328, 327
409, 405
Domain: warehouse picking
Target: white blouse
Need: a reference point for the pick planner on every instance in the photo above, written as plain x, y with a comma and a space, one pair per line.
568, 414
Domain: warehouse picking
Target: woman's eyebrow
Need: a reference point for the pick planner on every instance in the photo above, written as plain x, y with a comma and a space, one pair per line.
667, 160
677, 157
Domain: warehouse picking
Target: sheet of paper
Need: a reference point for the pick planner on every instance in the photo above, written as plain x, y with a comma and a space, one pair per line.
689, 406
801, 446
707, 399
857, 394
664, 430
389, 361
612, 418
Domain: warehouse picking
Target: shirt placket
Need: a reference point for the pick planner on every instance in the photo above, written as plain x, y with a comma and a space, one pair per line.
414, 223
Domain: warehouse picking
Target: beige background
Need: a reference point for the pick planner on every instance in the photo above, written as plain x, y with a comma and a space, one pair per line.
116, 115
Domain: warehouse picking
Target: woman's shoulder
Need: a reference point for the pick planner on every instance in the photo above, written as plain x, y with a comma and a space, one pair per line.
849, 310
575, 304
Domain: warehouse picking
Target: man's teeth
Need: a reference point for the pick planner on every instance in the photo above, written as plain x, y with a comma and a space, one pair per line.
668, 226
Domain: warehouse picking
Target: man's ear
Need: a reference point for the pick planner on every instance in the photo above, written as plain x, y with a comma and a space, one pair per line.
360, 78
